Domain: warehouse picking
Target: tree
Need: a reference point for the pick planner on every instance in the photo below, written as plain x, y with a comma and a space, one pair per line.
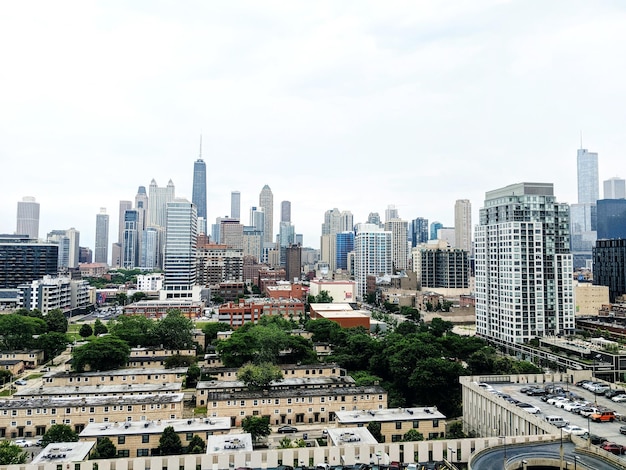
323, 297
455, 431
52, 344
178, 360
103, 353
412, 435
56, 321
175, 331
5, 376
59, 433
121, 298
17, 331
257, 426
193, 374
85, 330
99, 328
374, 428
196, 445
210, 330
285, 443
105, 449
137, 296
257, 377
11, 454
136, 330
170, 443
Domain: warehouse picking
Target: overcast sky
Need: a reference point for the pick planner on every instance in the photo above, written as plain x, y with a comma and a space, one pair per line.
354, 105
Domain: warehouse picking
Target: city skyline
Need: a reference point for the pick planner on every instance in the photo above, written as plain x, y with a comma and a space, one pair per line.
337, 91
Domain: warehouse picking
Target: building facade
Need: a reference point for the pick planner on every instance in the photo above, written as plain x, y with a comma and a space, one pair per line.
439, 266
615, 188
180, 249
609, 266
611, 218
23, 260
102, 237
419, 231
28, 217
266, 202
463, 225
523, 265
373, 251
198, 193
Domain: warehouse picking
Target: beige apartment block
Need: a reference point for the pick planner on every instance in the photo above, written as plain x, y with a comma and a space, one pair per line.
395, 422
305, 405
33, 416
116, 377
31, 358
588, 299
141, 438
289, 371
155, 357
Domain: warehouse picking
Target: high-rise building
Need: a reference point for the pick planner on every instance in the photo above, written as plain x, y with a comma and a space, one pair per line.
141, 206
434, 229
285, 211
130, 243
419, 231
149, 255
102, 237
373, 254
463, 224
399, 231
523, 265
609, 266
235, 205
373, 218
332, 222
615, 188
181, 237
124, 206
158, 198
286, 238
266, 202
231, 233
346, 222
24, 260
583, 214
439, 266
391, 213
252, 243
198, 195
344, 244
28, 217
611, 219
69, 246
293, 262
330, 228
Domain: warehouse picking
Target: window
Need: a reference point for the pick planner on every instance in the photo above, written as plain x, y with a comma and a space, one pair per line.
435, 423
416, 424
121, 439
123, 453
143, 452
396, 437
188, 436
398, 424
145, 438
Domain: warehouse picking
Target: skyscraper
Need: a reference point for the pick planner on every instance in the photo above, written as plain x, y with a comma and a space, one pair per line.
344, 244
523, 265
102, 237
615, 188
419, 231
372, 253
69, 246
346, 221
266, 202
434, 228
31, 260
286, 238
28, 217
158, 198
583, 214
293, 262
373, 218
235, 205
330, 228
399, 245
124, 206
130, 243
391, 213
198, 195
463, 225
181, 238
141, 206
285, 211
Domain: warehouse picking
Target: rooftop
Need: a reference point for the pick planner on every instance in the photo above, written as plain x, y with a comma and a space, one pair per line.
292, 382
389, 414
54, 402
229, 443
59, 452
117, 372
125, 389
156, 427
301, 392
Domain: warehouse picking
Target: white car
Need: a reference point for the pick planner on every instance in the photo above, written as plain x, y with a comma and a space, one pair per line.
575, 430
619, 398
553, 400
573, 406
530, 408
24, 443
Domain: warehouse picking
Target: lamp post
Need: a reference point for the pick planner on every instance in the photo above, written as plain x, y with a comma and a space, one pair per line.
453, 452
575, 462
378, 455
524, 462
561, 466
588, 431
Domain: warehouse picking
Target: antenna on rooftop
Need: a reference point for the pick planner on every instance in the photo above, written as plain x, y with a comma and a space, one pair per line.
200, 156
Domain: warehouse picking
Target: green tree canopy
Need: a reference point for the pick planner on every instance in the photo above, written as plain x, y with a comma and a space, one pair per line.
257, 426
196, 445
412, 435
374, 428
104, 449
52, 344
323, 330
59, 433
170, 443
323, 297
178, 360
136, 330
11, 454
17, 331
138, 296
85, 330
257, 377
211, 329
103, 353
193, 374
175, 331
56, 321
99, 328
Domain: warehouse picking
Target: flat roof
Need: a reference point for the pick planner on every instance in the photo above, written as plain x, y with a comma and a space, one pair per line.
289, 382
389, 414
125, 389
58, 452
54, 402
200, 425
117, 372
299, 392
229, 443
343, 314
350, 435
338, 307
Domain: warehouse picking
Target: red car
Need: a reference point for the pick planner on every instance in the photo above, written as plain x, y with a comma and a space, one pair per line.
614, 448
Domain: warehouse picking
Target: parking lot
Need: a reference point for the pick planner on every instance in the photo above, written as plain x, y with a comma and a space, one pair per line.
607, 430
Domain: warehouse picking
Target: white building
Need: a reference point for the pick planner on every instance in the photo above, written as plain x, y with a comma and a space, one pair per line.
463, 224
150, 282
52, 293
523, 265
615, 188
340, 291
399, 235
28, 217
373, 254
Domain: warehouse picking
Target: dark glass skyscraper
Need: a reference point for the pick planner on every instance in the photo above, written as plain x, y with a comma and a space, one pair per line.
198, 195
611, 218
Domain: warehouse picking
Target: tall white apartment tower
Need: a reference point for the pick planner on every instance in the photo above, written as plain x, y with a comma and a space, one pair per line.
615, 188
235, 205
28, 217
523, 265
266, 202
463, 224
583, 228
181, 237
372, 254
101, 252
399, 242
158, 198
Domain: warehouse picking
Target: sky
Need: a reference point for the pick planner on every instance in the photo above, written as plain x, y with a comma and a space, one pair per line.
355, 104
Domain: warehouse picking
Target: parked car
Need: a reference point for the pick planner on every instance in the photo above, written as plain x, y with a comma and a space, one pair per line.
20, 382
603, 416
588, 411
595, 439
619, 398
575, 430
614, 448
24, 443
287, 429
554, 400
622, 429
573, 406
581, 383
536, 392
528, 407
611, 393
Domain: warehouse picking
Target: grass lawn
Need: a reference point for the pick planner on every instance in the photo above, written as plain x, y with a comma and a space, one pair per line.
199, 411
6, 393
34, 376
